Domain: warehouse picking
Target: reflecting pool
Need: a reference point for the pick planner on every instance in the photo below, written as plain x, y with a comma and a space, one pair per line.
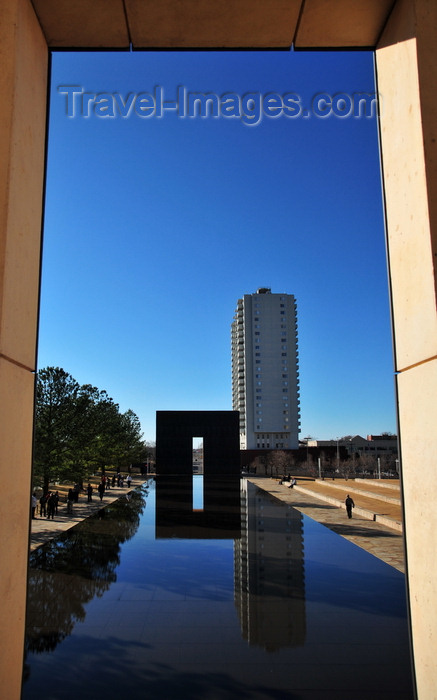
246, 598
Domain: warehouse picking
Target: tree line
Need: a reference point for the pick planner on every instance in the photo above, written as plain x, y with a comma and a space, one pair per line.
80, 430
280, 463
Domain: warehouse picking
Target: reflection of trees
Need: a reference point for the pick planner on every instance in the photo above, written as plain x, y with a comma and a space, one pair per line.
70, 570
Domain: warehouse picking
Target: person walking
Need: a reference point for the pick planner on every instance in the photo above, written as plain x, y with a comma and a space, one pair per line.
90, 493
128, 480
34, 504
70, 501
56, 495
349, 505
43, 504
101, 490
51, 506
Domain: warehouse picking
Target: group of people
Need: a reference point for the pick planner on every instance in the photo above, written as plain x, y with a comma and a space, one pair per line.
107, 482
288, 481
48, 503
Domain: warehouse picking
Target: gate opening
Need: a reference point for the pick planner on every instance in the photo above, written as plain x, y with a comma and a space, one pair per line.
197, 450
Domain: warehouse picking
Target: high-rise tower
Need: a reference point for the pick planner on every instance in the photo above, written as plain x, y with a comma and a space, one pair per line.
265, 376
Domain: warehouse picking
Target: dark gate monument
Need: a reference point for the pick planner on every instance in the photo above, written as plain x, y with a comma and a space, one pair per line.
174, 441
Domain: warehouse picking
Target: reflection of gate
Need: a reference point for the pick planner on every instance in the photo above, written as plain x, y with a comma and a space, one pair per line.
220, 433
220, 518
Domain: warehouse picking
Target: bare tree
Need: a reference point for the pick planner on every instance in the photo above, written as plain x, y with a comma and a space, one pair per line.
258, 464
280, 463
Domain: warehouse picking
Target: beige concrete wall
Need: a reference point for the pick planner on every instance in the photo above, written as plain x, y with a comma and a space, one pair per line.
23, 85
211, 23
406, 66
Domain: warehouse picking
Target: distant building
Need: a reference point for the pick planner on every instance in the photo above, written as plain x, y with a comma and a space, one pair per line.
385, 441
357, 446
265, 376
198, 460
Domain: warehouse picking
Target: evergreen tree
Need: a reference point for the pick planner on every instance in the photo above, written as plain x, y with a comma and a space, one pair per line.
55, 422
79, 430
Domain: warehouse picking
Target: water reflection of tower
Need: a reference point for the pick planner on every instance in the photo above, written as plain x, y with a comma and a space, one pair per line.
269, 571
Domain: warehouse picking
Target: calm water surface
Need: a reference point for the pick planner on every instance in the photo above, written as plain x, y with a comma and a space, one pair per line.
246, 599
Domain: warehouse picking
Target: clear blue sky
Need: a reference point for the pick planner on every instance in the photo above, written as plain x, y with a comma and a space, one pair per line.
154, 228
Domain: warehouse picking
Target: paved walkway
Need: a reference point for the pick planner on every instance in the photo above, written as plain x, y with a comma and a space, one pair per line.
383, 542
43, 529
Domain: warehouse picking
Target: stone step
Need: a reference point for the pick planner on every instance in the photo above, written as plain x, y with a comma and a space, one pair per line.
370, 508
381, 483
374, 493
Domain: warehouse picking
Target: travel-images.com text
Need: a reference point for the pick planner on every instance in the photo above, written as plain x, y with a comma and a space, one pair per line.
249, 108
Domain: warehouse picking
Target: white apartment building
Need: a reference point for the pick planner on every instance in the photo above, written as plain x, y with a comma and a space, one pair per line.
265, 376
